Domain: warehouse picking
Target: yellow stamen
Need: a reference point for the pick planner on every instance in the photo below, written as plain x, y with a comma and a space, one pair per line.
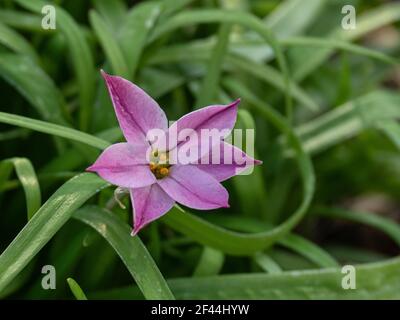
159, 164
164, 172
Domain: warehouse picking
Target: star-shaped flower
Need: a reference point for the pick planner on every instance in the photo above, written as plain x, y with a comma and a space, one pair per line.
153, 171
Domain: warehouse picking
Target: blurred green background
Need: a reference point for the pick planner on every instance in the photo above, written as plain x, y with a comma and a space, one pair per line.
324, 103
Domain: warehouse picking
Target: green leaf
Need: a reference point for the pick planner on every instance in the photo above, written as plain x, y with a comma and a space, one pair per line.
45, 223
344, 122
209, 88
81, 57
22, 20
374, 281
76, 289
171, 6
53, 129
250, 189
210, 263
389, 227
274, 78
158, 82
367, 22
34, 84
308, 249
134, 32
293, 16
27, 176
14, 41
130, 249
392, 130
109, 44
266, 263
339, 44
234, 17
296, 243
113, 12
199, 51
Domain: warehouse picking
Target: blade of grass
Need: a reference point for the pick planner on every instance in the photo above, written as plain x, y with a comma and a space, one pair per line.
339, 44
266, 263
45, 223
308, 249
171, 6
130, 249
251, 190
134, 32
81, 57
76, 289
210, 263
392, 130
22, 20
34, 85
109, 45
344, 122
113, 12
293, 16
194, 51
234, 17
209, 88
367, 22
389, 227
296, 243
14, 41
53, 129
28, 179
374, 281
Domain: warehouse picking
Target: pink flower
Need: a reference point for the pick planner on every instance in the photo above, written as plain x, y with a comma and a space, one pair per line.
145, 167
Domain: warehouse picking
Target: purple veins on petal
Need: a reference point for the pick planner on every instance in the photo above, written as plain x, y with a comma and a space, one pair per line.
225, 161
136, 111
149, 203
124, 165
194, 188
215, 117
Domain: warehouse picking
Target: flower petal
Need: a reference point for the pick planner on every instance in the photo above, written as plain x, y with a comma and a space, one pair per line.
216, 117
194, 188
124, 165
225, 161
149, 203
136, 111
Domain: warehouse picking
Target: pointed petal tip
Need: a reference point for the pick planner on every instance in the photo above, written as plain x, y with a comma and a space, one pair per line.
257, 162
107, 77
103, 73
90, 169
136, 230
235, 103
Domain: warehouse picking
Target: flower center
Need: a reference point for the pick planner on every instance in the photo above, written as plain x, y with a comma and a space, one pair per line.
159, 165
